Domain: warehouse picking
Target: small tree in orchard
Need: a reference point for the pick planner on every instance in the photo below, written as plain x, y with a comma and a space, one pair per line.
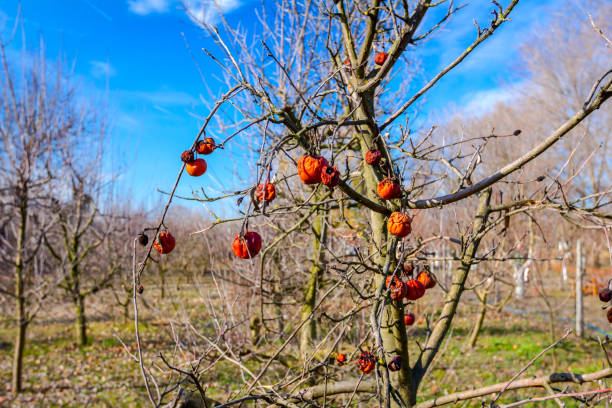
82, 227
35, 113
347, 197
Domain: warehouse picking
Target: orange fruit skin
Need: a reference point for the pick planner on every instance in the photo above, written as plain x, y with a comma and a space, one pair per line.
248, 246
380, 58
426, 279
265, 192
310, 167
389, 189
416, 289
399, 224
165, 243
206, 146
196, 168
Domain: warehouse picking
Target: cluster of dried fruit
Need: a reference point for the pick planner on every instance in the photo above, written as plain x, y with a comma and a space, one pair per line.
411, 289
249, 245
246, 246
316, 169
165, 242
423, 281
197, 167
366, 362
399, 289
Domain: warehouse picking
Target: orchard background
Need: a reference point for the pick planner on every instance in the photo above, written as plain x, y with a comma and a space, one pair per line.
327, 237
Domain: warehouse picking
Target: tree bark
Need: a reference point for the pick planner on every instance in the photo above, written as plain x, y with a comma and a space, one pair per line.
22, 322
479, 321
309, 331
81, 320
392, 330
442, 325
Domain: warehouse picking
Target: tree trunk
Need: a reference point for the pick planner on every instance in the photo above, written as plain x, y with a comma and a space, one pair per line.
81, 321
392, 327
443, 323
278, 295
126, 311
162, 281
79, 302
309, 331
22, 322
481, 317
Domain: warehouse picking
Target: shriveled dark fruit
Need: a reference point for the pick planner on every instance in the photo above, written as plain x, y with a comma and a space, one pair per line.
408, 268
609, 315
206, 146
373, 156
366, 362
517, 132
187, 156
398, 289
605, 295
330, 176
395, 364
143, 239
140, 289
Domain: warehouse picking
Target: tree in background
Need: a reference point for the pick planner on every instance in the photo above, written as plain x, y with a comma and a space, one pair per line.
82, 228
35, 115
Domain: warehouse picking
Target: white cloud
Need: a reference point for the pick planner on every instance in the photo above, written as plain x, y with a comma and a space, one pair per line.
484, 101
101, 69
207, 11
161, 98
144, 7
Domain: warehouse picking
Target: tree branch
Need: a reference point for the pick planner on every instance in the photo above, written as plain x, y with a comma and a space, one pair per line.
526, 383
604, 94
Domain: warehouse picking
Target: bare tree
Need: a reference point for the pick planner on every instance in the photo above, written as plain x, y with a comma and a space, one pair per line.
35, 114
311, 89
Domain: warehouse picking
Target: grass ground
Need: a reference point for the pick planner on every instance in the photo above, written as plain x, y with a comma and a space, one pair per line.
102, 374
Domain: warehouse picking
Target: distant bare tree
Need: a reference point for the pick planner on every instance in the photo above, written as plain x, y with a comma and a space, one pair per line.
36, 114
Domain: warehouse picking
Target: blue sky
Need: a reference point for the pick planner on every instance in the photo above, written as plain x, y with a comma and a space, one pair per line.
135, 53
